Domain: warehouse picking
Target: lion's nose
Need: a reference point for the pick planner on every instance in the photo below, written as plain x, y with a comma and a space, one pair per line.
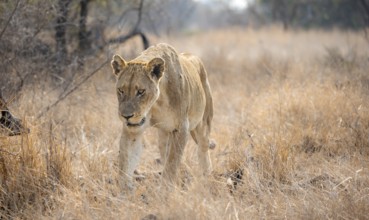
127, 116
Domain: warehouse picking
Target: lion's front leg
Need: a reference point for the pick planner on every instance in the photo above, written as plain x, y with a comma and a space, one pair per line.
129, 157
177, 142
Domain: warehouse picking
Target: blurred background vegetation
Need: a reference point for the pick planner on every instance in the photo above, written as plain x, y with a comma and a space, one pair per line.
53, 39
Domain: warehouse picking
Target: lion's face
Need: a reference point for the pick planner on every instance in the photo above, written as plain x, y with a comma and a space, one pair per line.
137, 89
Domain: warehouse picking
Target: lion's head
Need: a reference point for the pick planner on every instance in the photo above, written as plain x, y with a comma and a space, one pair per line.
137, 88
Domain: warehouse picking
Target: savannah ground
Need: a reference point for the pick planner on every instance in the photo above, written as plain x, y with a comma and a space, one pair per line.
291, 123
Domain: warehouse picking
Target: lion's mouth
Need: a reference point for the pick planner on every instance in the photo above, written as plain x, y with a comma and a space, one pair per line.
138, 124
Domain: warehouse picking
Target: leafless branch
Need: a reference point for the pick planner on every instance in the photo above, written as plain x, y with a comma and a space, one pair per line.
134, 32
124, 38
140, 8
48, 108
9, 19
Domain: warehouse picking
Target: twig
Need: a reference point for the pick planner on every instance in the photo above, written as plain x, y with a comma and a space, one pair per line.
72, 90
9, 19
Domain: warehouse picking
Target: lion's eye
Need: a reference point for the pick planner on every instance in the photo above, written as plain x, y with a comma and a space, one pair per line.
140, 92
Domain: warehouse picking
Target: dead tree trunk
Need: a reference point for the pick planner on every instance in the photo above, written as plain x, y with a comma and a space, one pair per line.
84, 42
60, 30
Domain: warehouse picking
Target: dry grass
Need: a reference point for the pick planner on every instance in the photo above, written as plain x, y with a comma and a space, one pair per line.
291, 121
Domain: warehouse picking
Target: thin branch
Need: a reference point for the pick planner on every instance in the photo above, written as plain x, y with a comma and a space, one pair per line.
48, 108
134, 32
120, 19
124, 38
140, 9
9, 19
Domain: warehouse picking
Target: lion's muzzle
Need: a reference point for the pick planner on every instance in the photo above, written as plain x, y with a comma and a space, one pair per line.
129, 124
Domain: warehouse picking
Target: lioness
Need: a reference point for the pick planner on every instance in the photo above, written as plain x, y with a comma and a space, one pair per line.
171, 92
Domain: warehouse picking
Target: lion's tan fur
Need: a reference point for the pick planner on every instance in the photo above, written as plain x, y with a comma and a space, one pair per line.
177, 100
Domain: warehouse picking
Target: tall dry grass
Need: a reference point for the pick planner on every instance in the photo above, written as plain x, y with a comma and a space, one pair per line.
291, 121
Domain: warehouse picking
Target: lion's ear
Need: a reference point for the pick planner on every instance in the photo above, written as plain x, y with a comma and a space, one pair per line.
156, 68
117, 64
